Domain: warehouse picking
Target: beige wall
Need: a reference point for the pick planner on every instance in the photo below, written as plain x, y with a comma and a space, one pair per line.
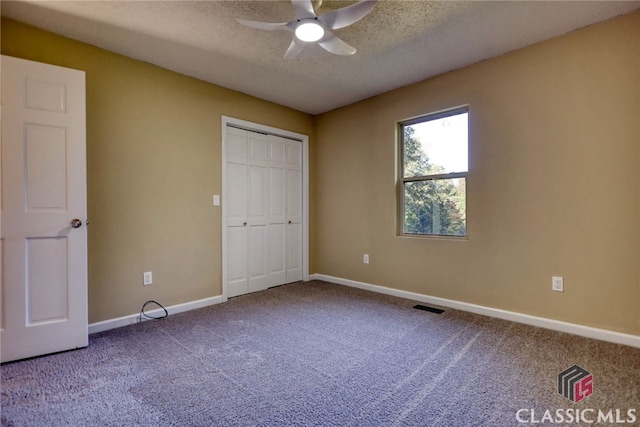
154, 162
553, 186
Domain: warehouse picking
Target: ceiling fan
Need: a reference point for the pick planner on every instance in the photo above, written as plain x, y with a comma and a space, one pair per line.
310, 28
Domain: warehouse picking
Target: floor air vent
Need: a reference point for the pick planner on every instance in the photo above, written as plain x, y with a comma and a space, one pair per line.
427, 308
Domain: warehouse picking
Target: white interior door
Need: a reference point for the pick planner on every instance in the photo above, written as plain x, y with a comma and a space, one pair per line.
294, 211
44, 252
263, 182
235, 205
277, 211
257, 210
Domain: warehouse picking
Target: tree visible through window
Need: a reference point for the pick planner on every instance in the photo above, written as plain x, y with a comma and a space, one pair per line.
433, 174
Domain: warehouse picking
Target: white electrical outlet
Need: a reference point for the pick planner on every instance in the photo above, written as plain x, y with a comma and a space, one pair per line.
557, 284
147, 278
366, 258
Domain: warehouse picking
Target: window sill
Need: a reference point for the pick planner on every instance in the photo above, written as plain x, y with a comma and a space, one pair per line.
434, 237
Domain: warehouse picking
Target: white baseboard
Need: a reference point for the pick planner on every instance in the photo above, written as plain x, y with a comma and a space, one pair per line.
105, 325
556, 325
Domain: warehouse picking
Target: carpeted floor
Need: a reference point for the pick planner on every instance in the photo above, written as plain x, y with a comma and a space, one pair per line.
320, 354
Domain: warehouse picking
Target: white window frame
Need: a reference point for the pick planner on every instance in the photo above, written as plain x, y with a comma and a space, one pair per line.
402, 180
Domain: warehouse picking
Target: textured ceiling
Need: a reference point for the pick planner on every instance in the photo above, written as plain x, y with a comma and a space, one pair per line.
399, 42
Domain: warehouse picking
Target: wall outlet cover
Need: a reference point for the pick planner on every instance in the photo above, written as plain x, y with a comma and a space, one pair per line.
557, 284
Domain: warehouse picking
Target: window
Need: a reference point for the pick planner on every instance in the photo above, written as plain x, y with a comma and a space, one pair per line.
433, 174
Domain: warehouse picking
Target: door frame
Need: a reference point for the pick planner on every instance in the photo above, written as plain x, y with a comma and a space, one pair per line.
257, 127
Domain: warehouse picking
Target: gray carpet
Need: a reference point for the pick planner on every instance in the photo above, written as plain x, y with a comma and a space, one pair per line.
316, 354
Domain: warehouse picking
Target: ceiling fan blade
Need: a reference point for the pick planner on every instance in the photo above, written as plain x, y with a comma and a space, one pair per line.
334, 44
346, 16
294, 49
266, 25
303, 8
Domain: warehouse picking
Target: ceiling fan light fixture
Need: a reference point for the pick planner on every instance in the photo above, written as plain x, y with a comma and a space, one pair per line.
309, 30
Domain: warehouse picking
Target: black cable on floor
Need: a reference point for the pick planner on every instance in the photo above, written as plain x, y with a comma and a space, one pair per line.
147, 317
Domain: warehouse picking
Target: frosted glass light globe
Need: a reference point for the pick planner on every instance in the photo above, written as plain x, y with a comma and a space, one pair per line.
309, 31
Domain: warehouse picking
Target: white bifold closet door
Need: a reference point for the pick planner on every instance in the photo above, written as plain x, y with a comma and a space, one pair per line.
263, 211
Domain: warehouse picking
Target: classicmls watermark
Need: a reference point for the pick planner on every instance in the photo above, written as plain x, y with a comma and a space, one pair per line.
579, 416
576, 384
